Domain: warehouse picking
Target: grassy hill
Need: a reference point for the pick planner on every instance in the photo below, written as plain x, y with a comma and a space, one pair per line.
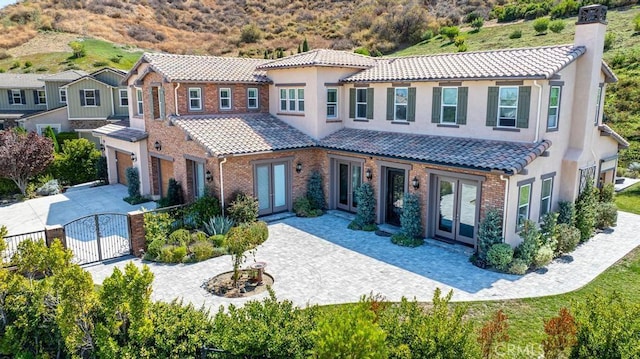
622, 107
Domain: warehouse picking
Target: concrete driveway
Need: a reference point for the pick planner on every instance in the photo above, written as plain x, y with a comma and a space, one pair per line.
35, 214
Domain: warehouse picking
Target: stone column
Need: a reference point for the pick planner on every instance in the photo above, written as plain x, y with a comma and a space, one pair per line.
136, 233
54, 232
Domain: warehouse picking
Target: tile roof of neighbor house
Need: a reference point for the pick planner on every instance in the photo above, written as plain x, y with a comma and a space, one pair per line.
608, 131
20, 81
121, 132
65, 76
487, 155
524, 63
242, 134
206, 68
322, 57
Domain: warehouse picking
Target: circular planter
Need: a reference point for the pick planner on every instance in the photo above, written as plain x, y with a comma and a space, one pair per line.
222, 284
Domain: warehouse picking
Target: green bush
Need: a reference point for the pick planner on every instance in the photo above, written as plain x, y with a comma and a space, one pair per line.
166, 254
609, 39
459, 40
411, 216
48, 132
250, 33
543, 256
154, 248
499, 256
462, 48
218, 225
201, 250
427, 35
636, 23
102, 171
518, 266
566, 213
568, 239
218, 240
607, 193
516, 34
477, 24
556, 26
66, 136
199, 236
586, 207
77, 162
203, 209
490, 232
303, 207
179, 237
256, 233
402, 239
133, 182
366, 211
8, 187
174, 193
315, 191
541, 25
244, 209
157, 225
606, 215
530, 242
450, 32
549, 230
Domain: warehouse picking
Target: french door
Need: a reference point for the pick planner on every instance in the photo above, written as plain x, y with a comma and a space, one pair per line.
271, 187
457, 210
349, 179
395, 186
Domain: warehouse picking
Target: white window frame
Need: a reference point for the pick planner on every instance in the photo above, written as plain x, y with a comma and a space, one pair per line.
598, 104
16, 94
361, 104
93, 98
63, 95
254, 97
42, 97
556, 107
292, 99
520, 219
514, 107
397, 105
125, 97
443, 105
139, 102
544, 197
332, 106
198, 98
227, 98
42, 126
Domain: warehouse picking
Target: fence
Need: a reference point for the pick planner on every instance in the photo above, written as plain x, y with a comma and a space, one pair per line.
14, 240
178, 213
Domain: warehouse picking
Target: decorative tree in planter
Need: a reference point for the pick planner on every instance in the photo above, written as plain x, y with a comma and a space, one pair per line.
490, 233
411, 222
315, 191
366, 214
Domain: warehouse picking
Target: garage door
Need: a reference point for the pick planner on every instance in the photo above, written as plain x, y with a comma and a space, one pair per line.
124, 161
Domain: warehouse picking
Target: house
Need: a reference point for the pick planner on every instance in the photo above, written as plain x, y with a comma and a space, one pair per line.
516, 129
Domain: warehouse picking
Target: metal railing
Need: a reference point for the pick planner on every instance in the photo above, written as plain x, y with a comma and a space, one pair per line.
179, 215
14, 240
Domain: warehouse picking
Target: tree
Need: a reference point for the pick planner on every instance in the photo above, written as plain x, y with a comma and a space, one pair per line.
541, 25
24, 156
477, 24
48, 132
78, 49
305, 45
450, 32
77, 163
250, 33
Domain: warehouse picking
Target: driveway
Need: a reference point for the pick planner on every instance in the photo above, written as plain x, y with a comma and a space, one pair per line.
35, 214
320, 261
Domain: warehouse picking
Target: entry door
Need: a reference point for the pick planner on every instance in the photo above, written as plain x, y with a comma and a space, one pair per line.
457, 209
123, 161
349, 179
271, 183
164, 171
394, 196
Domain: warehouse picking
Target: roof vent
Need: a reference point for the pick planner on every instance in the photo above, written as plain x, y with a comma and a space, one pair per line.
592, 14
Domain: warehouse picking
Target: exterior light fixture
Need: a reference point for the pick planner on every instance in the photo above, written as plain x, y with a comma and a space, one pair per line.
368, 174
208, 176
299, 167
102, 147
415, 183
133, 157
157, 146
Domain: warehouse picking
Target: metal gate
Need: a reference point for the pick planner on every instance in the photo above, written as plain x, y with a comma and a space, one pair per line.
98, 237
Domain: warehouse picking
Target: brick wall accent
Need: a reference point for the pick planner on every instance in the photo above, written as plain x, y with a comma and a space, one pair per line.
52, 233
136, 233
210, 96
87, 124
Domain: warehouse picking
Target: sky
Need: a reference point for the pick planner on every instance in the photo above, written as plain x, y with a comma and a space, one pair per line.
4, 3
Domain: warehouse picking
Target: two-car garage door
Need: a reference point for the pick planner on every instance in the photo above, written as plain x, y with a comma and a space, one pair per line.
123, 161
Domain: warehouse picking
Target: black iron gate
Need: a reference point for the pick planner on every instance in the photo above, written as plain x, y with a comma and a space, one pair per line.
98, 237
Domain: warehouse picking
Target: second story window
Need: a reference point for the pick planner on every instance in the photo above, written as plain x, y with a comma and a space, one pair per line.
554, 107
16, 97
40, 97
195, 99
508, 107
361, 103
124, 97
89, 98
524, 198
449, 105
401, 99
332, 103
225, 98
292, 100
139, 102
63, 95
252, 98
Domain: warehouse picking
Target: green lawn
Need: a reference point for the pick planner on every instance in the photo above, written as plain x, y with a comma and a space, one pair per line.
629, 199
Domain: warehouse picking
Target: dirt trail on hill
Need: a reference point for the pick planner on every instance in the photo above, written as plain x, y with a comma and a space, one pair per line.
44, 42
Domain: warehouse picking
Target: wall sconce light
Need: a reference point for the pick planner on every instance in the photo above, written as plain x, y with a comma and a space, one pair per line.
208, 176
133, 157
299, 167
101, 147
415, 183
157, 146
368, 174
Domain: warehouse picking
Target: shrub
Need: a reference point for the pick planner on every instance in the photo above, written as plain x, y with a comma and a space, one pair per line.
166, 254
157, 226
14, 65
49, 188
244, 209
174, 193
218, 240
493, 333
77, 48
133, 182
499, 256
462, 48
48, 132
199, 236
560, 335
566, 213
568, 239
411, 218
77, 162
250, 33
179, 237
516, 34
427, 35
549, 230
201, 250
362, 51
490, 232
541, 25
530, 242
606, 215
366, 212
218, 225
27, 64
459, 40
315, 191
556, 26
636, 23
66, 136
477, 24
607, 193
102, 172
256, 232
518, 266
402, 239
543, 256
450, 32
303, 208
203, 209
586, 207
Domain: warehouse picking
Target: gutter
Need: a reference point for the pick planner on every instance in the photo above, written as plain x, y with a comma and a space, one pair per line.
222, 186
535, 83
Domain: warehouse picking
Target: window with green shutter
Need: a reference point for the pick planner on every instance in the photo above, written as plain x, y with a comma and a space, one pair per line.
361, 103
508, 106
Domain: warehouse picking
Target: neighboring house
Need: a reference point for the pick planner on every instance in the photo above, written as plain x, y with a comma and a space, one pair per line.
20, 95
515, 129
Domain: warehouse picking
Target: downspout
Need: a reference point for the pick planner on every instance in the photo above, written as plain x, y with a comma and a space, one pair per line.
222, 186
175, 98
505, 210
535, 83
113, 104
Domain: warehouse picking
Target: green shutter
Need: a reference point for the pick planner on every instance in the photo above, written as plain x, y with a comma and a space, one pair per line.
461, 113
492, 107
97, 92
524, 103
161, 102
10, 97
436, 103
36, 100
352, 103
24, 98
411, 106
82, 100
390, 103
370, 104
151, 109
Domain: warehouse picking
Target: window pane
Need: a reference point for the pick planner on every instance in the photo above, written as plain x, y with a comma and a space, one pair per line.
279, 185
544, 206
332, 95
252, 103
507, 112
508, 122
300, 105
292, 94
402, 95
508, 96
448, 114
194, 93
361, 111
292, 105
283, 105
401, 112
555, 96
450, 96
283, 94
361, 95
253, 92
301, 94
224, 93
546, 187
523, 198
263, 184
523, 213
331, 111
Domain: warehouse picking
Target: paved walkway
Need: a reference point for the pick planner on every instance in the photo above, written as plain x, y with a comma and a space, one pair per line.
34, 214
320, 261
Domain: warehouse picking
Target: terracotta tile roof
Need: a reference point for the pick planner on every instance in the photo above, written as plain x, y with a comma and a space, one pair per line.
206, 68
242, 134
525, 63
322, 57
121, 133
21, 81
608, 131
485, 155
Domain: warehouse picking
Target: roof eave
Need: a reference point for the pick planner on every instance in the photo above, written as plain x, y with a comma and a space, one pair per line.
435, 79
285, 67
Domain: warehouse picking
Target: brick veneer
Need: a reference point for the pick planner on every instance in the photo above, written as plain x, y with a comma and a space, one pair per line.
136, 233
87, 124
210, 96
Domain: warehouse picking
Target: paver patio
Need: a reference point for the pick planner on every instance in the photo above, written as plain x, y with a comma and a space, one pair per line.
320, 261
